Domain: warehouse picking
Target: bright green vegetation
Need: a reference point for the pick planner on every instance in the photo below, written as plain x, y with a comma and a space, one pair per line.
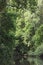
21, 29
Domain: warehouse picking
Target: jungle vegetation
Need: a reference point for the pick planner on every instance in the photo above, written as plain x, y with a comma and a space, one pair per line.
21, 30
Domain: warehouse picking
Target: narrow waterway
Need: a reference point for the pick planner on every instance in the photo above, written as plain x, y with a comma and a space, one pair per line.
30, 61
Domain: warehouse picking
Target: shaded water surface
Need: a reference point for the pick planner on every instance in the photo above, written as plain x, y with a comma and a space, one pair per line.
30, 61
35, 61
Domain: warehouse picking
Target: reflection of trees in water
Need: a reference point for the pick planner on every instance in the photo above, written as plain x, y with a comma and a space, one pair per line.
35, 61
25, 62
39, 62
20, 55
22, 62
20, 59
32, 61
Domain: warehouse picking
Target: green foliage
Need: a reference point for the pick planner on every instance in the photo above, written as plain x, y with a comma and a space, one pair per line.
39, 49
21, 29
33, 5
6, 27
5, 55
20, 3
2, 4
38, 37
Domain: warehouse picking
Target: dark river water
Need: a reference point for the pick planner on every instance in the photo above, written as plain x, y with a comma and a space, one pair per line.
31, 61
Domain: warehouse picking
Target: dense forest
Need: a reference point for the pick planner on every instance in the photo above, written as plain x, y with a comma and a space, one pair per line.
21, 30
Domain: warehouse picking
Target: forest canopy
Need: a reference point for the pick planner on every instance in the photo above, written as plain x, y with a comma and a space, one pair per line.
21, 29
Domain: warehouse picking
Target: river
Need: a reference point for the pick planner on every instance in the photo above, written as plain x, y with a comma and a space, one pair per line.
31, 61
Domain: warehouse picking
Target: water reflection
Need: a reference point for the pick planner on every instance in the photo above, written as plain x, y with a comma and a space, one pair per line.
35, 61
31, 61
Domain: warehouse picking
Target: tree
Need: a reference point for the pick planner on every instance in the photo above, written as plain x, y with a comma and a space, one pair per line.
21, 24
